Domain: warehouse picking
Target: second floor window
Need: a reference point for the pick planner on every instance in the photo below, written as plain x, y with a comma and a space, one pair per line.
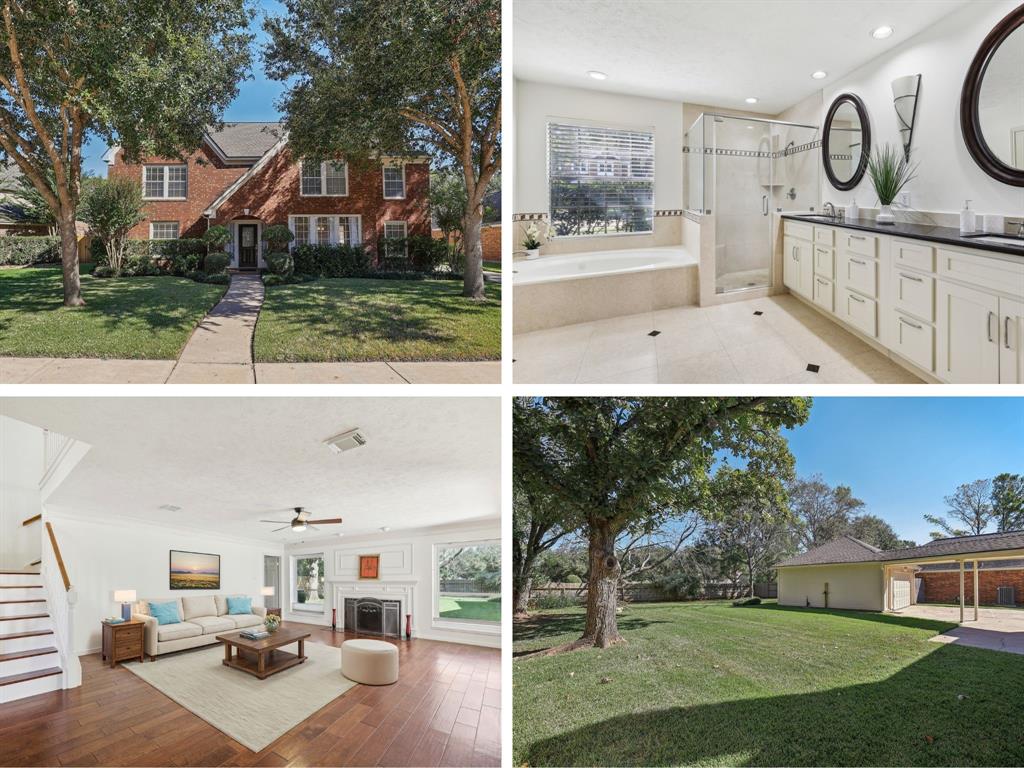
394, 182
321, 179
165, 182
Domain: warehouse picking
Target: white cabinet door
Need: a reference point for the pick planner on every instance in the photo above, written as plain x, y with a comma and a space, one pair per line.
806, 253
823, 294
968, 335
858, 311
790, 264
859, 273
1011, 341
913, 340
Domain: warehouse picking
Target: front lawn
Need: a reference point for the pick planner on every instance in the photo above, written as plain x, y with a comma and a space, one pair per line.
492, 266
463, 607
710, 684
355, 319
132, 317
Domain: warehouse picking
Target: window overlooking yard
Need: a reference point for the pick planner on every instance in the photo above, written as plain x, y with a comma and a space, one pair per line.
395, 231
394, 182
163, 230
165, 182
325, 230
468, 582
319, 180
309, 583
600, 180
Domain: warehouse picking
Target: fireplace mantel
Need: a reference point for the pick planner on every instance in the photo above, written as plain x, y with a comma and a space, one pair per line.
403, 591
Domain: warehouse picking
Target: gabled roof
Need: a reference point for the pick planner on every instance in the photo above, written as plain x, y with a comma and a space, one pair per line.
252, 171
847, 549
244, 141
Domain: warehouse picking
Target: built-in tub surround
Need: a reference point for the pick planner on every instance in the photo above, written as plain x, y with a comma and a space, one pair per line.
563, 290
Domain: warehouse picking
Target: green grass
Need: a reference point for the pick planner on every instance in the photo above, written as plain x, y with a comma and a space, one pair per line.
364, 319
492, 266
709, 684
477, 608
133, 317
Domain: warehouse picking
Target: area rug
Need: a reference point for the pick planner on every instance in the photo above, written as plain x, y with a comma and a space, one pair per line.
253, 712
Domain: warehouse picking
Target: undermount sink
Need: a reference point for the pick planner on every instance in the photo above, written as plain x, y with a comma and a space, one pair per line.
1016, 242
817, 217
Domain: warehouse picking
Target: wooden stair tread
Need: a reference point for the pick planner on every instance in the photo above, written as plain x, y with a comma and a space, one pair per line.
21, 586
26, 654
19, 602
20, 635
26, 676
19, 573
29, 616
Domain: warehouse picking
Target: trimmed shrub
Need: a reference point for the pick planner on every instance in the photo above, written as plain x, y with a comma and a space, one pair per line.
221, 278
277, 236
280, 264
216, 263
548, 601
747, 601
216, 237
103, 271
272, 279
332, 261
197, 275
426, 253
16, 250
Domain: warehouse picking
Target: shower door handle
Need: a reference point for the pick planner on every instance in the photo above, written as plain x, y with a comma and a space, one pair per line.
764, 205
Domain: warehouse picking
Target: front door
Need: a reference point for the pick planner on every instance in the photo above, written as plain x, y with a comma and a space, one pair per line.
247, 246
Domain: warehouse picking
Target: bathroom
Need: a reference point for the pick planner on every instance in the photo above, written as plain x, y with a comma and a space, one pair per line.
696, 192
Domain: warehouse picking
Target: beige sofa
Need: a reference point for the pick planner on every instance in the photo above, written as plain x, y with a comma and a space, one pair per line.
202, 619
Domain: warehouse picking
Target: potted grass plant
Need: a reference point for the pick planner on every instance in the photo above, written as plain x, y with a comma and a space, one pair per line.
890, 172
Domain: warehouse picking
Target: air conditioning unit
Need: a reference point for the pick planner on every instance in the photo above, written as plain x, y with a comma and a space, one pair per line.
1005, 596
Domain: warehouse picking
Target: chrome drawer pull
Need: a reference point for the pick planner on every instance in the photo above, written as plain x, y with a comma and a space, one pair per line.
911, 277
857, 237
858, 261
822, 282
989, 324
1006, 332
858, 299
907, 322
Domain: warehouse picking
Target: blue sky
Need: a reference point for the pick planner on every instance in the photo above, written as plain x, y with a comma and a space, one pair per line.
255, 100
902, 455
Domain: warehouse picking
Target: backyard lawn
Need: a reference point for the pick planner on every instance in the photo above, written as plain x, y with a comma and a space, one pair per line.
366, 319
710, 684
132, 317
461, 607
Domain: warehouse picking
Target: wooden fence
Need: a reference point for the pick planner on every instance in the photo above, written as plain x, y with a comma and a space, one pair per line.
643, 592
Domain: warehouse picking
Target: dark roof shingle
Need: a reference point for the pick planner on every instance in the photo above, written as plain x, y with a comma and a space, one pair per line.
847, 549
245, 140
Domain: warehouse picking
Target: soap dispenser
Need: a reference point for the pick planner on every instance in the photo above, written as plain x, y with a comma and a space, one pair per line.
852, 211
967, 219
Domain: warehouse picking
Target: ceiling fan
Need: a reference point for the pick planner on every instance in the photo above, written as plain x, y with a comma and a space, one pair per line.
301, 521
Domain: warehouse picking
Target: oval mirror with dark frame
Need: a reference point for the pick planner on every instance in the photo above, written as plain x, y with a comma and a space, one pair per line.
846, 143
992, 102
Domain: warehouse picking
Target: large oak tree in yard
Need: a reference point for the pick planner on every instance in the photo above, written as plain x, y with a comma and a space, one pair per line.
394, 78
147, 75
632, 464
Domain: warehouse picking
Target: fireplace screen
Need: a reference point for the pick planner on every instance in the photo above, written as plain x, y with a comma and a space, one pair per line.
370, 616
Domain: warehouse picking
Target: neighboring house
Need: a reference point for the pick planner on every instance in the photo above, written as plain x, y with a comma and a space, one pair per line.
245, 178
849, 573
13, 219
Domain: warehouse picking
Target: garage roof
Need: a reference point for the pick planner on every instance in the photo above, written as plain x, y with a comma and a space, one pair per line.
847, 549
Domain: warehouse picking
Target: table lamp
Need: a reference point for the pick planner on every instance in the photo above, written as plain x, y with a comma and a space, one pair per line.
125, 597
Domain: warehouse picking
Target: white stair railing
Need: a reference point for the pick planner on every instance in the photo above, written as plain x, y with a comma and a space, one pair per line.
60, 599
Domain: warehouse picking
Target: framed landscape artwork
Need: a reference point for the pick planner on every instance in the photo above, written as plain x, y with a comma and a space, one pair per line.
194, 570
369, 566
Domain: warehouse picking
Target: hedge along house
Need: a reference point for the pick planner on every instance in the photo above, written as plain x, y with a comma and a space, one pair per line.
848, 573
245, 178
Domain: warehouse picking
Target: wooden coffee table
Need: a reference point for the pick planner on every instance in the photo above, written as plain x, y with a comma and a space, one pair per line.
263, 658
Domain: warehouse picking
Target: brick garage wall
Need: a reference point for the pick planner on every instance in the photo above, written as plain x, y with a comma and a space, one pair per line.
944, 586
490, 237
272, 194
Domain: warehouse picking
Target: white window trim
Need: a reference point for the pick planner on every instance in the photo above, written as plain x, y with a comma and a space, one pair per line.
236, 242
383, 183
293, 585
405, 233
153, 223
335, 235
323, 180
461, 625
167, 180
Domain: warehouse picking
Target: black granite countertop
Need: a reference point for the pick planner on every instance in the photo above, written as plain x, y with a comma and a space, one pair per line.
946, 235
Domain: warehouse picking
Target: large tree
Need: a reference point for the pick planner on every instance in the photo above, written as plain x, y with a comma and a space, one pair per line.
1008, 501
822, 512
535, 530
395, 78
877, 532
618, 464
147, 75
968, 513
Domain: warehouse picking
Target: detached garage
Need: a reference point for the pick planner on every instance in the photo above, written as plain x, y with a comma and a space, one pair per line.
850, 574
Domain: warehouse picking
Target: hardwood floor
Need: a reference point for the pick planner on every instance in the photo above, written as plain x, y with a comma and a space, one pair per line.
444, 710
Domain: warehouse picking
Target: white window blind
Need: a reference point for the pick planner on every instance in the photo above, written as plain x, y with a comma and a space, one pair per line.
600, 180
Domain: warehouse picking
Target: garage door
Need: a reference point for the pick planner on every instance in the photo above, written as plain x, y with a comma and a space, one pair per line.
900, 594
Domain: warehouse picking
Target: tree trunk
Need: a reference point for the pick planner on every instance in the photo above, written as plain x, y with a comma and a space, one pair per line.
69, 260
521, 595
473, 271
602, 624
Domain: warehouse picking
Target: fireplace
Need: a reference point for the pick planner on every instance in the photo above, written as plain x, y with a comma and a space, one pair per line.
370, 616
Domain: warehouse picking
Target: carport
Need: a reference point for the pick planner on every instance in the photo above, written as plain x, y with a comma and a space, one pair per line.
998, 629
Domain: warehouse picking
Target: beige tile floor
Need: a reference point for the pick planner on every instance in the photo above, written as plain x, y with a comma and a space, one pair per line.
724, 344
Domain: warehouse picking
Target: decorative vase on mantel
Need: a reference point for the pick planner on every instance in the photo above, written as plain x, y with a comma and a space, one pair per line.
885, 215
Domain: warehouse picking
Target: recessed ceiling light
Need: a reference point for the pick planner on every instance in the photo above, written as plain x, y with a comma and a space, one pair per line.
750, 100
597, 74
880, 33
819, 75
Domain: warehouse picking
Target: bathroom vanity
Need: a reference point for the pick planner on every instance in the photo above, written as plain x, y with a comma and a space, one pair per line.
946, 306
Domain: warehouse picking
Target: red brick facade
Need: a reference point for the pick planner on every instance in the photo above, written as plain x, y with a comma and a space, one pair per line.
272, 195
944, 586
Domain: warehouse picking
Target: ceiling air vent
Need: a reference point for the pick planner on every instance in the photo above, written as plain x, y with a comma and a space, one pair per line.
346, 441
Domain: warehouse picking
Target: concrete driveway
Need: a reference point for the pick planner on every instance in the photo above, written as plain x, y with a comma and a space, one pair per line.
997, 629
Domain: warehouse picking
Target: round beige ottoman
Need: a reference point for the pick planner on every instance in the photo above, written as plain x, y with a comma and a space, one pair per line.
372, 662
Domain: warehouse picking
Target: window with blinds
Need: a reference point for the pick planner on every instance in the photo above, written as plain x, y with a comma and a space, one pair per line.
600, 180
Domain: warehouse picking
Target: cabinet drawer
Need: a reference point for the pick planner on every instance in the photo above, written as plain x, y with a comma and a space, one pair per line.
859, 274
824, 262
999, 274
823, 294
863, 245
122, 650
913, 340
913, 255
859, 312
914, 294
824, 236
798, 229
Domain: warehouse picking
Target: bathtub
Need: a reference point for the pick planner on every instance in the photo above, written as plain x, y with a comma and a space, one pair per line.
554, 291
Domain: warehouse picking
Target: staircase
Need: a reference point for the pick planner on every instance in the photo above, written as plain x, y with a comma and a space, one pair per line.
29, 659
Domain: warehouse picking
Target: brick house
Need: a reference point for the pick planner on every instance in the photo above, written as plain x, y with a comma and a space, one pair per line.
1000, 582
245, 178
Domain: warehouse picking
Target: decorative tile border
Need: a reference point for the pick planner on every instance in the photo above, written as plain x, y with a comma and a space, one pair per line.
752, 153
529, 216
658, 214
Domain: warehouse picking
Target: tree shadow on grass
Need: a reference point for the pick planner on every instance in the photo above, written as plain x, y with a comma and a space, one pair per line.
914, 717
555, 625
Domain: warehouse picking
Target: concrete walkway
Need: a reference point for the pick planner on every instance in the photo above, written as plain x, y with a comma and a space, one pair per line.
997, 629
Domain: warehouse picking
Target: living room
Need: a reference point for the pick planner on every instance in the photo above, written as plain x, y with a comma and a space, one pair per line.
255, 581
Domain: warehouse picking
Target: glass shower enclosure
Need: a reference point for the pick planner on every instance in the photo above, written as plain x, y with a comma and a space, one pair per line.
739, 171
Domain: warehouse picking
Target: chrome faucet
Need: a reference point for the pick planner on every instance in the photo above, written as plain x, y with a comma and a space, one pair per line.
828, 206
